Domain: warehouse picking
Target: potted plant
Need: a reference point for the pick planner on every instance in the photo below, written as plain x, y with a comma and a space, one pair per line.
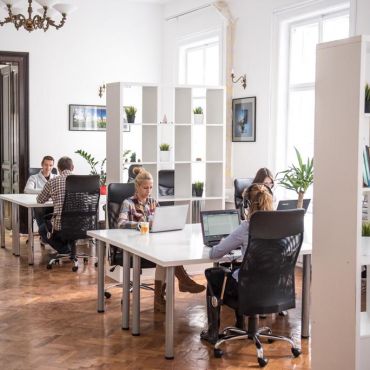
133, 157
130, 113
367, 98
198, 188
365, 228
298, 178
95, 169
164, 154
198, 115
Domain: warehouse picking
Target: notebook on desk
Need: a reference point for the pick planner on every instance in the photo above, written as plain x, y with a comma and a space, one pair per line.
218, 224
169, 218
292, 204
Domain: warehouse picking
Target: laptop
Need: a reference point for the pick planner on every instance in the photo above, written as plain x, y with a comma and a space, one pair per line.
218, 224
292, 204
169, 218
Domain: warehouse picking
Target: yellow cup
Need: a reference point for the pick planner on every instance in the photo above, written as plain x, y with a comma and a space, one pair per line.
144, 228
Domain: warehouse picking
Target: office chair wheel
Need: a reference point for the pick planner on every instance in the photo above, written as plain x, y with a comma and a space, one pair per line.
86, 260
218, 353
107, 295
296, 352
96, 264
262, 361
270, 341
74, 268
49, 267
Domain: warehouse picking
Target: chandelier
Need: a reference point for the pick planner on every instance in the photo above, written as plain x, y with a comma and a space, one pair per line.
49, 9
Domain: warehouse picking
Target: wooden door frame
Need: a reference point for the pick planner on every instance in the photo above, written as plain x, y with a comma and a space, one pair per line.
22, 61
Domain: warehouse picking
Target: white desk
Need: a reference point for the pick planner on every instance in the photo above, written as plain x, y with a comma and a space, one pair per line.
169, 249
25, 200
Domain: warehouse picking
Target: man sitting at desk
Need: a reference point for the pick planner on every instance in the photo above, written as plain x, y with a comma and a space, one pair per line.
36, 183
55, 189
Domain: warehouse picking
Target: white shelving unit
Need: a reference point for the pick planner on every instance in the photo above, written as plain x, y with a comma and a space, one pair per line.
340, 331
197, 150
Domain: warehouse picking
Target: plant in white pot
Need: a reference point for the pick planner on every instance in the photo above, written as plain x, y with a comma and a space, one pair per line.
164, 153
198, 115
298, 178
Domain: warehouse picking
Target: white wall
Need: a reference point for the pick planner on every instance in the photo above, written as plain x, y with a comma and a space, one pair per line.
361, 13
103, 41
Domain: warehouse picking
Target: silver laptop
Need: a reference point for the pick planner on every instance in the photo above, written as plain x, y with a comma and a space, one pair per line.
218, 224
292, 204
169, 218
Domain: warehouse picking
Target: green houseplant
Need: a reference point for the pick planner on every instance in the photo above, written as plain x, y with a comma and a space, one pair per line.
198, 115
130, 113
298, 177
365, 228
367, 98
164, 154
198, 188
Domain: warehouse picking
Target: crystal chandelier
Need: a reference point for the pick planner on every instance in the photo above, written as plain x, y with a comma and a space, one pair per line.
49, 9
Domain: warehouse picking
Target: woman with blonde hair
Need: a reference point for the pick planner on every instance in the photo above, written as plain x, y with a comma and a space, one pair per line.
258, 198
141, 207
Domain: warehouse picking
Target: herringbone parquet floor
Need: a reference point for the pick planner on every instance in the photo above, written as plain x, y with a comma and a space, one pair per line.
48, 321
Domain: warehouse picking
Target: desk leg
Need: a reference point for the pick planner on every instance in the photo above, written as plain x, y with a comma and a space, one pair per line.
101, 259
126, 290
31, 246
2, 224
136, 297
306, 291
15, 229
170, 298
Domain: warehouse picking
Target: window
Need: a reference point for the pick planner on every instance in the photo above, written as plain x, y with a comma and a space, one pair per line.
303, 37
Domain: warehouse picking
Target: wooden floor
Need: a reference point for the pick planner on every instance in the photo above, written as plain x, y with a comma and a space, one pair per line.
48, 320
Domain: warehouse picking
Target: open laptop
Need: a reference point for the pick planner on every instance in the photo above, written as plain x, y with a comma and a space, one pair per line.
292, 204
218, 224
169, 218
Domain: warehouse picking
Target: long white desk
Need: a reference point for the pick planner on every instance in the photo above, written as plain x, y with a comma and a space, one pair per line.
170, 249
25, 200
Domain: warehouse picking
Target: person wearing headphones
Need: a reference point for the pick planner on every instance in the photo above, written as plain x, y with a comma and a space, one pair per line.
258, 197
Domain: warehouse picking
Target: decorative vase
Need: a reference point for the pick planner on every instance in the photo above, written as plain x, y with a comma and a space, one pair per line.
164, 155
103, 190
131, 119
367, 106
198, 119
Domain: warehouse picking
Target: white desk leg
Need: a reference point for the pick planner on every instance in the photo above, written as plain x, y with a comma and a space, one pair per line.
2, 224
306, 291
15, 229
101, 258
136, 296
126, 291
31, 246
170, 298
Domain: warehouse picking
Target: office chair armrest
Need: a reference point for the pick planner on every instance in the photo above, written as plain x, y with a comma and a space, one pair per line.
216, 282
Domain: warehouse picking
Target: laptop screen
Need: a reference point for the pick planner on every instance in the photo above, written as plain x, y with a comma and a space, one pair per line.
217, 224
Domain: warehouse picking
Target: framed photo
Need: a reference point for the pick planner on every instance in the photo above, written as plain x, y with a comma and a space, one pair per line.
87, 117
244, 119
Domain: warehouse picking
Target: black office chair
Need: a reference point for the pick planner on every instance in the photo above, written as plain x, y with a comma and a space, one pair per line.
266, 282
80, 213
117, 193
166, 185
239, 186
36, 170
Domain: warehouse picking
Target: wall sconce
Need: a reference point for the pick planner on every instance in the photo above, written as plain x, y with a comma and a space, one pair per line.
242, 78
101, 90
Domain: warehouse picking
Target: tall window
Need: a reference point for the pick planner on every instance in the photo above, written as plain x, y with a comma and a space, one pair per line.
303, 37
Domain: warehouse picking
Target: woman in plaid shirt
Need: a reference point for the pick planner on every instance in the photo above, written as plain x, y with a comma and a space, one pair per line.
141, 207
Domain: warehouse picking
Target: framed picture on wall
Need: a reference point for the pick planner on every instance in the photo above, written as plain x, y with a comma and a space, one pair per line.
244, 120
87, 117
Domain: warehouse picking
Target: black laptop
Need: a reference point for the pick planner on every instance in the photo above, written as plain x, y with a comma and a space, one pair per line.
218, 224
292, 204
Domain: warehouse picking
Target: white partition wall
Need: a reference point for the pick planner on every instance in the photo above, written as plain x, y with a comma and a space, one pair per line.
197, 150
340, 331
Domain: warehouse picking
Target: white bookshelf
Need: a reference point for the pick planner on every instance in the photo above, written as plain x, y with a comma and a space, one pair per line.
197, 151
340, 331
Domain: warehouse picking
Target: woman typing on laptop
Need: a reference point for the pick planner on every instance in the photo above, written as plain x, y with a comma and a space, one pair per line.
141, 207
258, 198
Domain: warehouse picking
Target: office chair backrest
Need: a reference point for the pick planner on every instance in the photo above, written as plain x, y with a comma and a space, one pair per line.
36, 170
117, 193
131, 175
81, 206
166, 182
239, 186
266, 277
